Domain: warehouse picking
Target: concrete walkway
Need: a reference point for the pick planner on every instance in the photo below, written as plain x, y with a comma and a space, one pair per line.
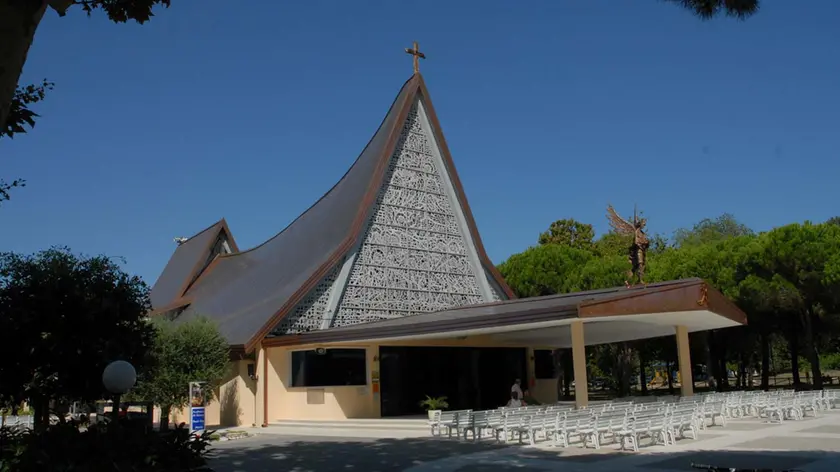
812, 445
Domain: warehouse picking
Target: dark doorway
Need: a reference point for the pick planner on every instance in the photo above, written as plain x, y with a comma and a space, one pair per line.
474, 378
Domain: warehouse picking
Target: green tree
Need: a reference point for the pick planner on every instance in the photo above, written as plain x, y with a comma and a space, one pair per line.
68, 316
710, 230
707, 9
599, 272
801, 258
544, 270
614, 244
192, 351
768, 303
721, 262
569, 232
614, 360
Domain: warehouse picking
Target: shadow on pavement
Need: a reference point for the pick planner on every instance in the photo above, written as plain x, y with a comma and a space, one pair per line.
276, 453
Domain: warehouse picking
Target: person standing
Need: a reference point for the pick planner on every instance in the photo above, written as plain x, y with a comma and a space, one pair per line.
514, 401
516, 387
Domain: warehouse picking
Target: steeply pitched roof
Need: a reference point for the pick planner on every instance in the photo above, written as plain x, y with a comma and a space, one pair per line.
248, 293
188, 259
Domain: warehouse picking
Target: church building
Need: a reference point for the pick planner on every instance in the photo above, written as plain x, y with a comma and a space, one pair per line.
382, 293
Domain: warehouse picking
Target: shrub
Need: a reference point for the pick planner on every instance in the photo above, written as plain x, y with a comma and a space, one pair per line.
436, 403
102, 448
830, 361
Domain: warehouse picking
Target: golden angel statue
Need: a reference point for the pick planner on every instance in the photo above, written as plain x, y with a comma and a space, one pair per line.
638, 250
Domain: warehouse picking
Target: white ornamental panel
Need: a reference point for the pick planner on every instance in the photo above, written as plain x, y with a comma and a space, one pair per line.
413, 258
310, 312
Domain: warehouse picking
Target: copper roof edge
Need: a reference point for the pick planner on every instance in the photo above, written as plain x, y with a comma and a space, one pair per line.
634, 292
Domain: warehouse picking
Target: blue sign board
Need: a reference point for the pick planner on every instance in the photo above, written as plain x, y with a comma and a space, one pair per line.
197, 418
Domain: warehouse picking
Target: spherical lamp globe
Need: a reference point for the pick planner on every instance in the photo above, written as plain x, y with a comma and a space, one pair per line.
119, 376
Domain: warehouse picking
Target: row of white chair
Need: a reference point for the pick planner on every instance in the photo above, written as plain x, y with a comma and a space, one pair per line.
626, 422
623, 422
19, 422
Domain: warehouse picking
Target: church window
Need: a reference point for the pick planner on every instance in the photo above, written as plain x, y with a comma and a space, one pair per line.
329, 368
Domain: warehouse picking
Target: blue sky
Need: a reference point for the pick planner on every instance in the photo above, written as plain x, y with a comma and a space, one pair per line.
550, 111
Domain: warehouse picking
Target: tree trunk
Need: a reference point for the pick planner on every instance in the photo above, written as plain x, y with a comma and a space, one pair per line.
642, 374
811, 350
719, 349
793, 346
40, 411
165, 411
711, 365
719, 362
625, 360
750, 369
723, 381
765, 361
744, 369
18, 22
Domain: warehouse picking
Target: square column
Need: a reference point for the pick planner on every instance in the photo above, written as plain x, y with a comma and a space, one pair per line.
372, 360
530, 371
260, 393
684, 361
579, 362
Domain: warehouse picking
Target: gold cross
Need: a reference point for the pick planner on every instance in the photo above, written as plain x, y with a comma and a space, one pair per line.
415, 51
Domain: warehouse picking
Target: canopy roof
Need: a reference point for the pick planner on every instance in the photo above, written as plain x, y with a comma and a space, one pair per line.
610, 315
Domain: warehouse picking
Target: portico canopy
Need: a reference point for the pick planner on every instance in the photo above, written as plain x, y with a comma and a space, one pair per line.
609, 315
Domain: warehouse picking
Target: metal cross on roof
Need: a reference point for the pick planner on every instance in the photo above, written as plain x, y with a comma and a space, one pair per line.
415, 51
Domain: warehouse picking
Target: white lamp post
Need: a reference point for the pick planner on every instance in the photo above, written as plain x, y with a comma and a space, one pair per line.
118, 378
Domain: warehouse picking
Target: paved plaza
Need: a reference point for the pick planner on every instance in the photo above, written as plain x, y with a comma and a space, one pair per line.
812, 445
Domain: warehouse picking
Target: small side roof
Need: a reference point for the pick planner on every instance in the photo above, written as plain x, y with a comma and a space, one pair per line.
685, 298
249, 292
187, 260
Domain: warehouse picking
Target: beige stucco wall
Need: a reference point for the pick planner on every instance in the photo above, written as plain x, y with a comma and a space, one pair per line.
236, 396
323, 403
239, 400
233, 404
542, 390
545, 391
346, 402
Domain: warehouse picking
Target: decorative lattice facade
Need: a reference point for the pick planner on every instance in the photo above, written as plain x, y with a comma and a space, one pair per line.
309, 314
413, 257
495, 291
